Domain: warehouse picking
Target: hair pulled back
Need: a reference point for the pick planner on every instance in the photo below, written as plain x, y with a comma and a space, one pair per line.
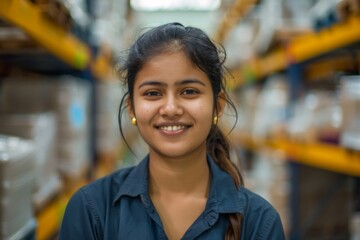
209, 58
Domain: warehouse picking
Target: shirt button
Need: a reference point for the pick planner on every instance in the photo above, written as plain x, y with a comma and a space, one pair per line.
145, 200
211, 218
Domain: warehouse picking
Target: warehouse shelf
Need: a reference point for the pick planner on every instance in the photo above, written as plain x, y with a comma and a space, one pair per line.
302, 48
59, 42
319, 155
315, 44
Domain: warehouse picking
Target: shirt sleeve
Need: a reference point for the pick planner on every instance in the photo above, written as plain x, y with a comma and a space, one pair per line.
81, 220
261, 221
271, 228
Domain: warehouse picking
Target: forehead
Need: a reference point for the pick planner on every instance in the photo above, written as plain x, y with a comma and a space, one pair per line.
170, 66
168, 58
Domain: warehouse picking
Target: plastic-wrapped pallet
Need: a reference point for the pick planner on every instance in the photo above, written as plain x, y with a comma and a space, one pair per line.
41, 128
17, 174
350, 105
68, 98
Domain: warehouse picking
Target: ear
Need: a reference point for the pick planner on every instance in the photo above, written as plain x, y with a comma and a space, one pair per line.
221, 103
129, 107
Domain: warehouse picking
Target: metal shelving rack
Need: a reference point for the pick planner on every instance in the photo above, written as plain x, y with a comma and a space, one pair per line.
301, 49
60, 43
292, 59
74, 53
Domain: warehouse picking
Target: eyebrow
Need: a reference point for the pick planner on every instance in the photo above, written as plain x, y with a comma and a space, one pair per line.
183, 82
152, 83
189, 81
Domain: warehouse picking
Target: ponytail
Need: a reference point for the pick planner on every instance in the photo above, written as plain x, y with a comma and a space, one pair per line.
219, 149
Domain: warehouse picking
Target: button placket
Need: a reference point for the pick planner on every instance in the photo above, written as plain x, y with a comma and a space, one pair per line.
151, 209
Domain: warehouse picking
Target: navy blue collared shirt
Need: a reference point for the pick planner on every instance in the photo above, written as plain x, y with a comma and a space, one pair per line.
118, 207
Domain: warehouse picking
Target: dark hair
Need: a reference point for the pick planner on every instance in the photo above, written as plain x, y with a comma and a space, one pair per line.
210, 59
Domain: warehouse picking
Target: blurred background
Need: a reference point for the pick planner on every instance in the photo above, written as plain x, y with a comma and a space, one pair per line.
294, 80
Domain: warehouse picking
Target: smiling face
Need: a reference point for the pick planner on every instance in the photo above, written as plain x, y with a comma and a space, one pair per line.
174, 106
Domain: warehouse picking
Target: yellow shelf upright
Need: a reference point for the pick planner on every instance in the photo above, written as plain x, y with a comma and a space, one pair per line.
46, 32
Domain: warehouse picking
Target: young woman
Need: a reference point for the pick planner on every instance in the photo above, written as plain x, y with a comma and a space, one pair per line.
186, 187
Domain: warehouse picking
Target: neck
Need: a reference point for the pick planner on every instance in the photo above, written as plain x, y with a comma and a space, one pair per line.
179, 176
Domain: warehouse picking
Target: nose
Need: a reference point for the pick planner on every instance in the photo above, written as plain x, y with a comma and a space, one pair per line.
171, 107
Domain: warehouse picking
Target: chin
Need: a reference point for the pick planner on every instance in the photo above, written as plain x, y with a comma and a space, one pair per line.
177, 152
171, 154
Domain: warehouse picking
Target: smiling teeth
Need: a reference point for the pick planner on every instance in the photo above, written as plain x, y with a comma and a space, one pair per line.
172, 128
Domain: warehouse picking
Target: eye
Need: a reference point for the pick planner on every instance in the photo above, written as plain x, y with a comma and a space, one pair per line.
190, 91
152, 93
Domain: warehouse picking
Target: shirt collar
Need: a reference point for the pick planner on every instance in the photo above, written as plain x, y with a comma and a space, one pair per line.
136, 183
224, 197
223, 192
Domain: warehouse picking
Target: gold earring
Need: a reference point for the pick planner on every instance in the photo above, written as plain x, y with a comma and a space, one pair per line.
215, 120
133, 121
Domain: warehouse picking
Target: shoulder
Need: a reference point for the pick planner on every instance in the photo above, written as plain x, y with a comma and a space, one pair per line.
85, 214
261, 220
104, 188
254, 202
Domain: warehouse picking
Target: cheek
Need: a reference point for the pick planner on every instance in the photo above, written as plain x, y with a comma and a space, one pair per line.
202, 110
144, 110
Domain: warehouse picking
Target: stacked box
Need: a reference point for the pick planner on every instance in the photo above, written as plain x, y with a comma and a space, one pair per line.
69, 99
41, 128
316, 117
350, 105
17, 174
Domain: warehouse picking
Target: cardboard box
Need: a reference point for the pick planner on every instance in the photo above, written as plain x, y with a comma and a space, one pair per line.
69, 99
